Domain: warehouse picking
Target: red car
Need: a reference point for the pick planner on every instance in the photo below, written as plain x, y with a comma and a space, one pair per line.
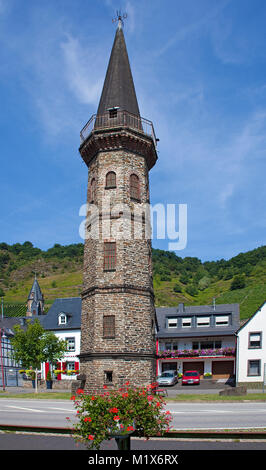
191, 377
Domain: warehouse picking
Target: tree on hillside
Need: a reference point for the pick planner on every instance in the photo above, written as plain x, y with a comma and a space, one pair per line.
238, 282
34, 345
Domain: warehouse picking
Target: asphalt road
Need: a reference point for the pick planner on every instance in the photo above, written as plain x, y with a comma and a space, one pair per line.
54, 413
30, 442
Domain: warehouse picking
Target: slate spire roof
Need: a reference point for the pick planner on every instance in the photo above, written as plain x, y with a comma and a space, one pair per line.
35, 292
118, 89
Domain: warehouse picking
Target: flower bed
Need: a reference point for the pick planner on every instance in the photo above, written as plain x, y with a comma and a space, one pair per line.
196, 353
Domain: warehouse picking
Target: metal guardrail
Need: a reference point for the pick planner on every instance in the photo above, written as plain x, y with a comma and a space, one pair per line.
118, 119
181, 434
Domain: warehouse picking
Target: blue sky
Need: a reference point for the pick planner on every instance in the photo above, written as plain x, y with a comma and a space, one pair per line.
199, 68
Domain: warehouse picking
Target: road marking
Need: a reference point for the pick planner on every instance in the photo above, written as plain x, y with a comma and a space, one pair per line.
27, 409
199, 412
62, 409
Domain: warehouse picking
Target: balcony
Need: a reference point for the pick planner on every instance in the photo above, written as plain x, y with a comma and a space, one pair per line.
116, 119
196, 353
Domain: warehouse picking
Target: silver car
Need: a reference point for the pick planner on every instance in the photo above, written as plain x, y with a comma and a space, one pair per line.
169, 377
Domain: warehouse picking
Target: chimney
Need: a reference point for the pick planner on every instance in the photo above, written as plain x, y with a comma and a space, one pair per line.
181, 308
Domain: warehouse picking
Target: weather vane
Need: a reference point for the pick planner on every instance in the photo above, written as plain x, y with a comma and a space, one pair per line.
119, 18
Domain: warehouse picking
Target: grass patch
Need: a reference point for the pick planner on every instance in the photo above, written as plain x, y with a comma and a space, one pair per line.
178, 398
217, 397
39, 396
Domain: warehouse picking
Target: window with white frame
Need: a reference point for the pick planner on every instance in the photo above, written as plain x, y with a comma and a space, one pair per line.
62, 319
172, 322
254, 341
203, 321
71, 366
254, 367
70, 344
186, 322
222, 320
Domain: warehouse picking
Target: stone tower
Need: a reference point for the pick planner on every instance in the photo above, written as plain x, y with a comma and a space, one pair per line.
118, 313
35, 302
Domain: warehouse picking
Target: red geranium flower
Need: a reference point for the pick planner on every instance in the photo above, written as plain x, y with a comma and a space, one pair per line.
90, 437
130, 428
114, 410
87, 419
116, 418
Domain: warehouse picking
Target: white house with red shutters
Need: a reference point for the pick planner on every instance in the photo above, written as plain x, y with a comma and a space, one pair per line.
64, 320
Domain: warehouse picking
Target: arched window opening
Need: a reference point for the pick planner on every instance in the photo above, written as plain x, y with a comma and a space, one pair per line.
110, 180
134, 187
93, 189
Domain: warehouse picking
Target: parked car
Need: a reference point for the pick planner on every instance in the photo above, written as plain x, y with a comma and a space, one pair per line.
191, 377
169, 377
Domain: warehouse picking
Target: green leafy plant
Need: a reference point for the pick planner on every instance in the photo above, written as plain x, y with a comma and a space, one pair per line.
49, 376
34, 345
120, 412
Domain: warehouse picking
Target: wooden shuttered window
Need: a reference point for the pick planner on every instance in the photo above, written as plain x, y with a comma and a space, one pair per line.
108, 326
109, 263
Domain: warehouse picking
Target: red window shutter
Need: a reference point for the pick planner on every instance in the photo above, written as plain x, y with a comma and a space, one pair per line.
59, 368
76, 365
46, 368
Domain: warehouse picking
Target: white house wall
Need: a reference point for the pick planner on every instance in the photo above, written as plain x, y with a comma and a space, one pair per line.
256, 324
69, 356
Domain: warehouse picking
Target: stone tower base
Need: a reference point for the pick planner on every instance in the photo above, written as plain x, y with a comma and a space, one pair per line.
138, 372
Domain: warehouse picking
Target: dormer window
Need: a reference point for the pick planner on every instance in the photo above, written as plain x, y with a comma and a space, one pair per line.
113, 112
186, 322
62, 319
172, 323
222, 320
203, 321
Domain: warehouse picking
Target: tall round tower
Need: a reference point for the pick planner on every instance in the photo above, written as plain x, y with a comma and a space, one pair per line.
118, 313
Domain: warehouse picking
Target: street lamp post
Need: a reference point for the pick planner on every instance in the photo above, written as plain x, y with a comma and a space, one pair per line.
2, 335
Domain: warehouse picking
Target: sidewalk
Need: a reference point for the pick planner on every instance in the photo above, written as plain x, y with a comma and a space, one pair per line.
22, 390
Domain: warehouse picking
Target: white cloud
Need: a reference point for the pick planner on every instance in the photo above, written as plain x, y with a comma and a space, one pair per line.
82, 70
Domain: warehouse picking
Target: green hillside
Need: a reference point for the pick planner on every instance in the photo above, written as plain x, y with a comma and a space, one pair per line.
242, 279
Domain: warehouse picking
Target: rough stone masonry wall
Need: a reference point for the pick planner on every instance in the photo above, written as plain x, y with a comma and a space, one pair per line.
127, 292
137, 372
